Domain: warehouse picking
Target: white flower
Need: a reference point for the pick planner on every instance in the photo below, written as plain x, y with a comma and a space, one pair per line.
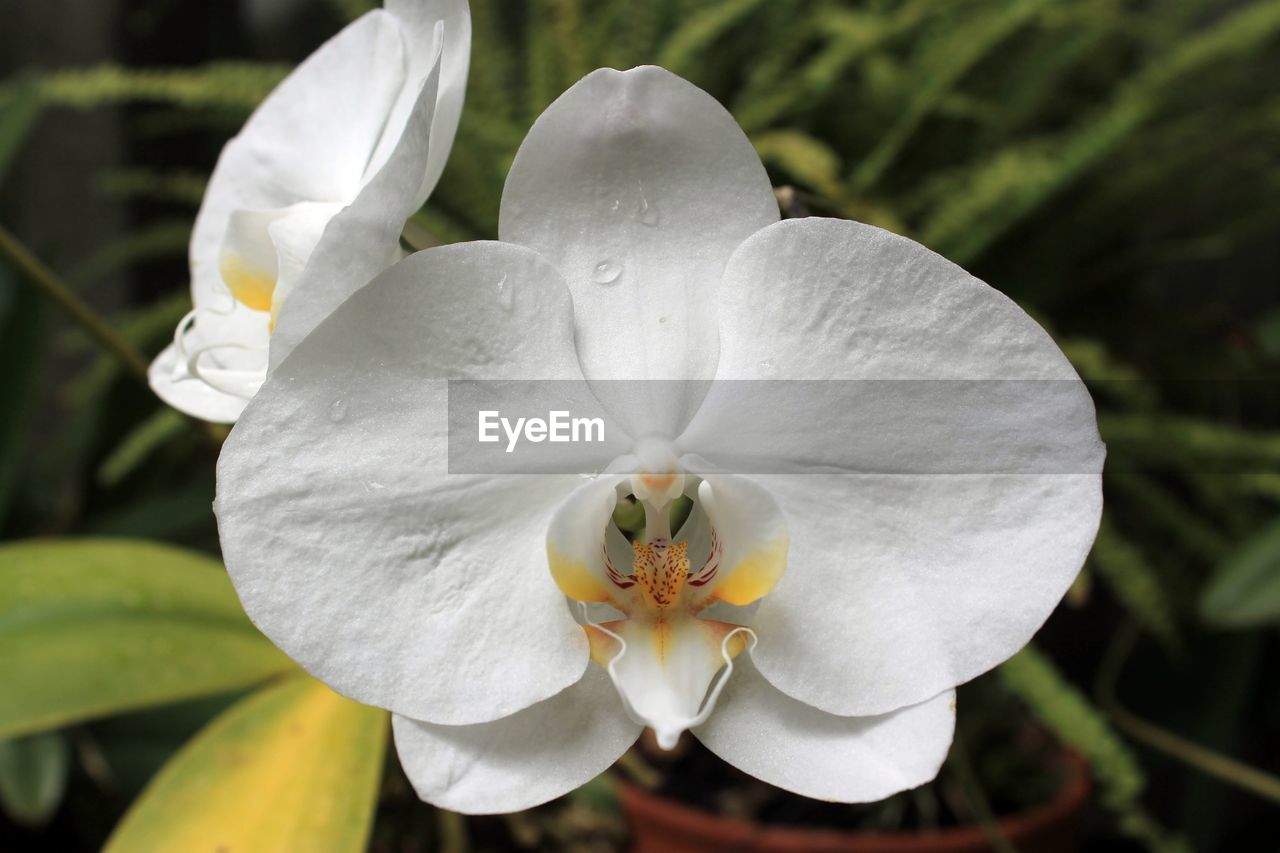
340, 154
640, 240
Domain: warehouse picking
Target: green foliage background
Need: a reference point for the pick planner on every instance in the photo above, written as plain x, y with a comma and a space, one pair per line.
1112, 165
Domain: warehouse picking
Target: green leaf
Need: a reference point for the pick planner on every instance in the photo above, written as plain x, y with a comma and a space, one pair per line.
94, 627
1246, 589
33, 776
138, 446
810, 161
294, 766
18, 115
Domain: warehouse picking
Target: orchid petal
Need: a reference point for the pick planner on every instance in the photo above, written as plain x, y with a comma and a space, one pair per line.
418, 20
639, 186
351, 545
900, 585
310, 140
520, 761
577, 553
364, 238
366, 121
787, 743
746, 543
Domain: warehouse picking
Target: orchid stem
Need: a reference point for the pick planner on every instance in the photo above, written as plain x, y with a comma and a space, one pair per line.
34, 270
44, 278
453, 832
1207, 761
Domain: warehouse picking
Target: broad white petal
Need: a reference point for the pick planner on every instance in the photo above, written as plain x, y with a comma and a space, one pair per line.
310, 140
520, 761
351, 545
639, 186
364, 238
899, 585
786, 743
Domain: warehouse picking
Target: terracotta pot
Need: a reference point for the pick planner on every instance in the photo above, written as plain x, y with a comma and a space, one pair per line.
660, 825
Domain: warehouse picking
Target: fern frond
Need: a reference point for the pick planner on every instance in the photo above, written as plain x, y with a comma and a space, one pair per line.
944, 68
1075, 721
1001, 192
241, 85
1134, 583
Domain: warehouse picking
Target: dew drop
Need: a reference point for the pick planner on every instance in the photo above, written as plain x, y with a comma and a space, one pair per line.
662, 320
647, 213
338, 411
505, 293
606, 272
768, 369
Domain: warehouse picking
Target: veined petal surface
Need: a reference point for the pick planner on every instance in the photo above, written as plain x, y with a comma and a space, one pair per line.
900, 583
351, 545
638, 186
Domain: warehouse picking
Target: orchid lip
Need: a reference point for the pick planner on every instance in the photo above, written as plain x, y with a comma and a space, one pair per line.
666, 660
668, 730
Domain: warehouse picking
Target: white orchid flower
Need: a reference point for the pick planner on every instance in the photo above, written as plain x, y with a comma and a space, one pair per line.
344, 150
640, 240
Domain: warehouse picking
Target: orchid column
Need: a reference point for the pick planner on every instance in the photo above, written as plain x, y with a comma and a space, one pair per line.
834, 581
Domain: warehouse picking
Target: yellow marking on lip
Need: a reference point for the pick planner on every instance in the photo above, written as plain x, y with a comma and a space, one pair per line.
755, 574
248, 284
574, 578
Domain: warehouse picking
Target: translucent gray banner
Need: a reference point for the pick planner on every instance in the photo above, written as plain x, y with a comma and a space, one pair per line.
779, 426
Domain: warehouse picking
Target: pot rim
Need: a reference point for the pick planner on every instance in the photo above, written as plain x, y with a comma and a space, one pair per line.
1070, 798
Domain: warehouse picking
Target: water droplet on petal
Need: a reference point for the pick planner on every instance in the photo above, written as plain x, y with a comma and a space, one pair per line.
338, 411
768, 369
662, 320
647, 213
606, 272
506, 293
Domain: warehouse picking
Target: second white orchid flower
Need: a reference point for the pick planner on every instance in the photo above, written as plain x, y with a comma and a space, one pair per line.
333, 162
807, 623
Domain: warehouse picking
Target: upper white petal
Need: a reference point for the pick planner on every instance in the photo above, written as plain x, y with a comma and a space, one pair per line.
787, 743
902, 583
639, 186
310, 140
349, 543
418, 20
364, 238
521, 761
